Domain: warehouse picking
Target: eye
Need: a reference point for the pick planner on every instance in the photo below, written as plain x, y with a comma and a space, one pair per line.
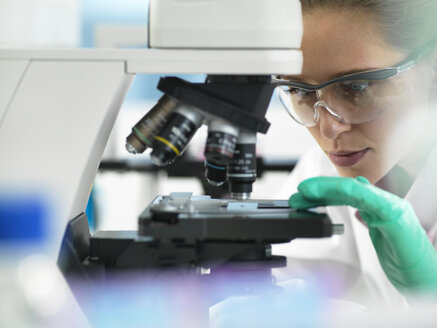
299, 92
355, 86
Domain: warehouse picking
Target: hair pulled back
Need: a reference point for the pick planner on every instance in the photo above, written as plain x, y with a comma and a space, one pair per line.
406, 24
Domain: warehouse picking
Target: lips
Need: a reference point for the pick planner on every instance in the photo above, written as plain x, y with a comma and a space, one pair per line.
347, 158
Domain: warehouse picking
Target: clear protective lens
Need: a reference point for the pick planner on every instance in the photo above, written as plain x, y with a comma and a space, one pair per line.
299, 104
363, 100
355, 102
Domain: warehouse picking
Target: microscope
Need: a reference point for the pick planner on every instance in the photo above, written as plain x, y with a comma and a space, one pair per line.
233, 108
61, 104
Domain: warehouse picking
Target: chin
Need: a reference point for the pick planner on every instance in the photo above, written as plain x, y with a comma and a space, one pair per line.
372, 175
349, 173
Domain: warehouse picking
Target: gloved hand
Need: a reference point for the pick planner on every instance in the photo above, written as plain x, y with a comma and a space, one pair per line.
406, 255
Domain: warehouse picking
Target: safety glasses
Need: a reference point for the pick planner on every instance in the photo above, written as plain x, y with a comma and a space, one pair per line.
353, 98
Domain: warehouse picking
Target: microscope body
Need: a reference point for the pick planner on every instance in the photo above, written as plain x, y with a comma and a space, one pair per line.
58, 106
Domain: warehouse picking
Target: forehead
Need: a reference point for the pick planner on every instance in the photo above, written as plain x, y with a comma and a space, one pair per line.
337, 42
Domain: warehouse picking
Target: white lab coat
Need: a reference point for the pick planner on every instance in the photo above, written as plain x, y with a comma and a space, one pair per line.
350, 259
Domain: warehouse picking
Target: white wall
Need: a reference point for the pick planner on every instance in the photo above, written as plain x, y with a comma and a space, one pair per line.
40, 22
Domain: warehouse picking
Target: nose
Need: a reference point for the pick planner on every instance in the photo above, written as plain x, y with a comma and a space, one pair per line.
331, 125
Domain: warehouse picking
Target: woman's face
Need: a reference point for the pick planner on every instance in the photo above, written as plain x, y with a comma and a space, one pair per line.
340, 42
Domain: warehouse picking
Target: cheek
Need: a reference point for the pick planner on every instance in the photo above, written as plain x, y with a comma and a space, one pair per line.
315, 133
395, 131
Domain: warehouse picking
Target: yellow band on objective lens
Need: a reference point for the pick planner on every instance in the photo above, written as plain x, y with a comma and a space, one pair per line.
169, 144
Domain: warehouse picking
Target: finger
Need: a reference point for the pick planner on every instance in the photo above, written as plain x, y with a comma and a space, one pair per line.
332, 191
297, 201
362, 180
348, 191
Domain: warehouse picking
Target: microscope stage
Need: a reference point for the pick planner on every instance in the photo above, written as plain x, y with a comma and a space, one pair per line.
182, 216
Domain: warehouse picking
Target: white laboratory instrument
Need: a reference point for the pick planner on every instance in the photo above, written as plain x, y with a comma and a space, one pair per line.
58, 106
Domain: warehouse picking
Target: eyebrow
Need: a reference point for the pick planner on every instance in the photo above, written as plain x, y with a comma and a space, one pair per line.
369, 73
303, 79
353, 71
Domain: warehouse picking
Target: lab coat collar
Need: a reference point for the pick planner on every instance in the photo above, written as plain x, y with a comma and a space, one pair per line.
422, 194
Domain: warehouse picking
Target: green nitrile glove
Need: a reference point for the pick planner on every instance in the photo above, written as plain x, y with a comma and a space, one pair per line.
406, 255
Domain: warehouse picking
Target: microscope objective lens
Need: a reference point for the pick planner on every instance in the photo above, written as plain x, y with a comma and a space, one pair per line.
146, 129
174, 137
220, 147
215, 173
242, 171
